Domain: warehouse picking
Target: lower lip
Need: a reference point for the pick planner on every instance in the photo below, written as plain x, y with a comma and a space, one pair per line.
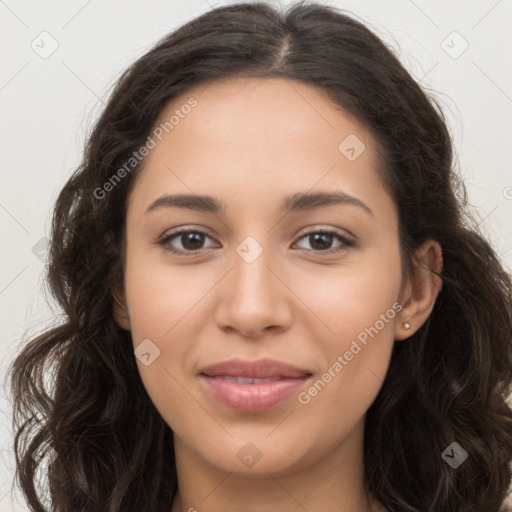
252, 397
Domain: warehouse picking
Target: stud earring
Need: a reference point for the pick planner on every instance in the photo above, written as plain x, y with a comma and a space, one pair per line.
407, 325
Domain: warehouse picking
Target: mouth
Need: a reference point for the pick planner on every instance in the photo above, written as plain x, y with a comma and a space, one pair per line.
252, 386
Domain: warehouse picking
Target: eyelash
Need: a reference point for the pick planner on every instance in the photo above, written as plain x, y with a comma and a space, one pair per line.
164, 241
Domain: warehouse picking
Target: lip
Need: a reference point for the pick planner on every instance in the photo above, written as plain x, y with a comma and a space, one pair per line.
259, 369
283, 381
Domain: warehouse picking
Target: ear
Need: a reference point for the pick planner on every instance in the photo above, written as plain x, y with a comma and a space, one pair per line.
120, 309
420, 292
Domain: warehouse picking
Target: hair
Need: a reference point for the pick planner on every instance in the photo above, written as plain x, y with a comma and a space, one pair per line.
449, 382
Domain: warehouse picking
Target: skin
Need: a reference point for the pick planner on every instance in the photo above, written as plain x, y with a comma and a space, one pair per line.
250, 143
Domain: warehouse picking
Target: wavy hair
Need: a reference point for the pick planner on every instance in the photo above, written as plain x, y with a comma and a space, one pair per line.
449, 382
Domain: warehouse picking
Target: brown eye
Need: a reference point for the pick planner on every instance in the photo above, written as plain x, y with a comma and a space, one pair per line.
321, 241
190, 240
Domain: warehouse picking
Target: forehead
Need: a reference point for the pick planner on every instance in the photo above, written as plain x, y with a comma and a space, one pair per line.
258, 137
270, 110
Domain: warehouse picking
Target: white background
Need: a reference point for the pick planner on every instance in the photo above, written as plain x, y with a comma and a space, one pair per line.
48, 105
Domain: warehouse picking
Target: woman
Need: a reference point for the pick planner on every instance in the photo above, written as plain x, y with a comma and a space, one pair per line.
273, 298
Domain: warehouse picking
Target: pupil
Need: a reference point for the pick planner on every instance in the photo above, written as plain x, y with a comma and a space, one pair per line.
196, 238
320, 236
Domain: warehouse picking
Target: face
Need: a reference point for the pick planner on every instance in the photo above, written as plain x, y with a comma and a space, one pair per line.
315, 286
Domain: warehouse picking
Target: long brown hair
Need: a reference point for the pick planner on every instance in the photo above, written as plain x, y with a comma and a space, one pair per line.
448, 383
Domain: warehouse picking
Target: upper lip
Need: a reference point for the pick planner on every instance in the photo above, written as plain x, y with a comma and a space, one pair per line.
260, 369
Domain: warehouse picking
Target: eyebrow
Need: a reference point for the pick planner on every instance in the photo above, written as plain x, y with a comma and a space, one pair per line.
294, 203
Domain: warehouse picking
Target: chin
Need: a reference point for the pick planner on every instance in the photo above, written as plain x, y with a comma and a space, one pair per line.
258, 457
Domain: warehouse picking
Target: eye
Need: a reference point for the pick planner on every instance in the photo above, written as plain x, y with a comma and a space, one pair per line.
322, 239
191, 240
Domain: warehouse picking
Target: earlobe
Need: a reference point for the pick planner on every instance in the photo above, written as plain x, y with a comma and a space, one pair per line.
120, 311
422, 290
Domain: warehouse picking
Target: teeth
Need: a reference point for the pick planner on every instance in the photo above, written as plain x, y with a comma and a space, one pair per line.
244, 380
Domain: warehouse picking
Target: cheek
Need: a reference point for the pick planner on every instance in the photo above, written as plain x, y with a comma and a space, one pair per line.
164, 302
160, 295
159, 316
359, 306
159, 299
353, 297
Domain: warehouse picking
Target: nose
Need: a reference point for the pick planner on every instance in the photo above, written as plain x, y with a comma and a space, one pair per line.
254, 298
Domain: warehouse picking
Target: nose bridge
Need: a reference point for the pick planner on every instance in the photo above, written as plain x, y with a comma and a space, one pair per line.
252, 297
251, 275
